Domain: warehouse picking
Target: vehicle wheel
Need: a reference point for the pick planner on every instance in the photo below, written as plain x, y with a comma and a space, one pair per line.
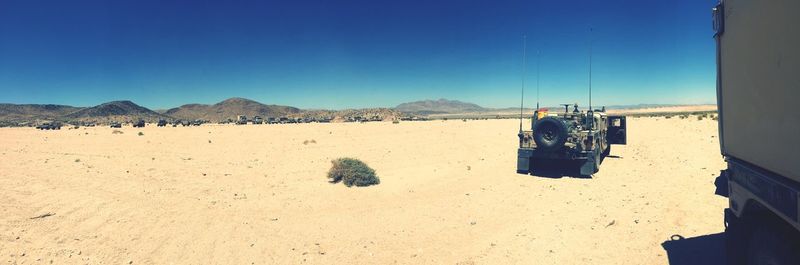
597, 157
607, 151
772, 242
549, 133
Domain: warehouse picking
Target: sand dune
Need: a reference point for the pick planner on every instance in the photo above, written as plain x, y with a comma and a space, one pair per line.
257, 194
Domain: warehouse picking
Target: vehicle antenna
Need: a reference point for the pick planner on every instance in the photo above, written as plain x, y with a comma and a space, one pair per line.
522, 90
590, 68
591, 119
538, 59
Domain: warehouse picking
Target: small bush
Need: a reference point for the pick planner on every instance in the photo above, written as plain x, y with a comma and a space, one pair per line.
667, 117
116, 132
140, 133
699, 118
352, 172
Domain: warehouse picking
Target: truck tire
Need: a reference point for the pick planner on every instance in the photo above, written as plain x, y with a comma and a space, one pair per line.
772, 242
549, 133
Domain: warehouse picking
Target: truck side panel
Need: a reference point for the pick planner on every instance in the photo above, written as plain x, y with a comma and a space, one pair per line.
759, 93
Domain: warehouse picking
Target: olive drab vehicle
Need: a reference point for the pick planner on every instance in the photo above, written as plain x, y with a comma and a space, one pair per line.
584, 137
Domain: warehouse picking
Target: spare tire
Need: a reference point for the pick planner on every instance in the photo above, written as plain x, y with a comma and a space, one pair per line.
549, 133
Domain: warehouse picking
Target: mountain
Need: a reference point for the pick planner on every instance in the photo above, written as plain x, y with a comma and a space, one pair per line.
31, 112
438, 106
229, 109
115, 111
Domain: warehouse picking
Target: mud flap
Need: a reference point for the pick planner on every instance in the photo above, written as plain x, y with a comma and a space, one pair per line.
589, 166
523, 161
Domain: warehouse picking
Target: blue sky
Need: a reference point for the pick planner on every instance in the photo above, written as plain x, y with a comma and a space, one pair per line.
343, 54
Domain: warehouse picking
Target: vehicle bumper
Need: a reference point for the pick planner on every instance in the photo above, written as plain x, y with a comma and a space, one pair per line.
525, 157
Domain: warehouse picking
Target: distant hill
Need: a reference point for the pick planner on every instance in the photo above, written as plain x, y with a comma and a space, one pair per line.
440, 106
115, 111
32, 112
229, 109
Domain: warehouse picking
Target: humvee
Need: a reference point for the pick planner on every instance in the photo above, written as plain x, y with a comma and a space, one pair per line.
241, 119
258, 120
116, 125
162, 123
49, 126
139, 124
583, 137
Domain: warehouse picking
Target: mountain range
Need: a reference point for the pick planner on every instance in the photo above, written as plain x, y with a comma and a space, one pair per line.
229, 109
124, 111
440, 106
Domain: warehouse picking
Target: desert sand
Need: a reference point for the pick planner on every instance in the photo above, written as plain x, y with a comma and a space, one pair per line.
256, 194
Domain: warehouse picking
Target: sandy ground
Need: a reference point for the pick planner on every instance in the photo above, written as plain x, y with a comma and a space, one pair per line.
257, 194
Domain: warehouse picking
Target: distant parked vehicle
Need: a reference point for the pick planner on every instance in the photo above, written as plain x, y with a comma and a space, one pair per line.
162, 123
258, 120
49, 126
197, 122
241, 119
116, 125
138, 124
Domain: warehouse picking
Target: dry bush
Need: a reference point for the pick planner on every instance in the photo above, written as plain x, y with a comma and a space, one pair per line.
699, 118
141, 133
668, 117
117, 132
352, 172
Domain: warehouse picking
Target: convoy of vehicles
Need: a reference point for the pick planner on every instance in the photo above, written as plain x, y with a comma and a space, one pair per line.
757, 88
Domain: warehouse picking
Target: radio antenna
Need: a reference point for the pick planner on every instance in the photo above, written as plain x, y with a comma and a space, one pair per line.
522, 90
538, 59
590, 69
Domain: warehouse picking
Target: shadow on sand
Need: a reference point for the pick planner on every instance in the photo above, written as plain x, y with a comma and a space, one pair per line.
706, 250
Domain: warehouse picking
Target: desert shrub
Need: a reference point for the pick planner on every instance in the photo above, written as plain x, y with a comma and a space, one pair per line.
116, 132
141, 133
699, 118
667, 117
352, 172
715, 118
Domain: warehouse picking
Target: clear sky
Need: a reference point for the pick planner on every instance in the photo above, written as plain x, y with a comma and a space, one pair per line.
342, 54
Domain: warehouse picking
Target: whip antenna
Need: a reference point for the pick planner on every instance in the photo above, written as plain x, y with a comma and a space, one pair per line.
522, 90
590, 69
538, 59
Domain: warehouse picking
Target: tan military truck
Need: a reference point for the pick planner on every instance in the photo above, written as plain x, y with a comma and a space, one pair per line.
758, 87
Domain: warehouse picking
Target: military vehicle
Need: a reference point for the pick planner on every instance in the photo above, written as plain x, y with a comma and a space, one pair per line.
197, 122
758, 59
162, 123
49, 126
241, 119
258, 120
584, 137
116, 125
138, 124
